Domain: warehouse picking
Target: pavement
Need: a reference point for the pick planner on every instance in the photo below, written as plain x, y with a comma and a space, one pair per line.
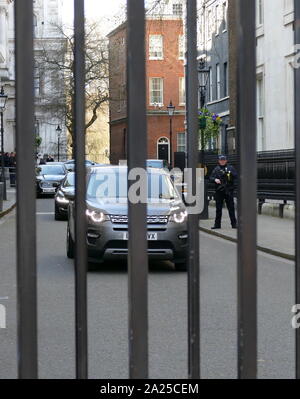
10, 203
168, 317
275, 235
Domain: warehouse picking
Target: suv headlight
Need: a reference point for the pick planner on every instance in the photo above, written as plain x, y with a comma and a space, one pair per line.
61, 198
96, 216
179, 217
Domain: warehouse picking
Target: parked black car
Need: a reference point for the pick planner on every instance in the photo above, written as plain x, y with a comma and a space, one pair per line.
48, 178
61, 201
70, 165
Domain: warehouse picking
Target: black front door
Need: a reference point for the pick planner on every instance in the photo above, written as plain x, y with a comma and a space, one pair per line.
163, 152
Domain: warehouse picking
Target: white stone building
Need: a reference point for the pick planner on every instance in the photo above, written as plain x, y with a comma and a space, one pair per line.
47, 16
275, 75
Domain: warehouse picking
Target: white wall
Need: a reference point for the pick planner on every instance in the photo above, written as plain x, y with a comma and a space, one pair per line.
47, 12
274, 54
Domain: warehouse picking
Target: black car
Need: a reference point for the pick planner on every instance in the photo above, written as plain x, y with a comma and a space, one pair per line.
48, 178
61, 201
70, 165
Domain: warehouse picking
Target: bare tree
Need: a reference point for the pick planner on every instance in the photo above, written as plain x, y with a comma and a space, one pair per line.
57, 62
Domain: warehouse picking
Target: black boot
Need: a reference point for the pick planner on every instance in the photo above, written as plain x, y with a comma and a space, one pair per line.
216, 227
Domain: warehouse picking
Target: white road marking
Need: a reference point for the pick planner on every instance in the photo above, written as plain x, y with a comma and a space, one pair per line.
45, 213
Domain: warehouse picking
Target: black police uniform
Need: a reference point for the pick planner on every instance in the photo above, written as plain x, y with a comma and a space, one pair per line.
224, 191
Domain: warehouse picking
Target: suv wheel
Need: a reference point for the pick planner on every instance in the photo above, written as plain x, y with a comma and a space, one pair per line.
57, 215
70, 245
180, 266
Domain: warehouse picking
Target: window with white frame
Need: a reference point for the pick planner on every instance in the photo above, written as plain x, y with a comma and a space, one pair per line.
210, 94
181, 142
225, 79
181, 47
209, 24
202, 26
177, 9
217, 19
260, 113
224, 16
260, 12
37, 82
156, 47
181, 91
218, 81
156, 91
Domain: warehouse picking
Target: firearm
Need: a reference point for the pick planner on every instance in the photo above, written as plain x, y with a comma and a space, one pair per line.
226, 179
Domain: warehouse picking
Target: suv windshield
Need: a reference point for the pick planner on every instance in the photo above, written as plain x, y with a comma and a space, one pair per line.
70, 180
113, 184
51, 170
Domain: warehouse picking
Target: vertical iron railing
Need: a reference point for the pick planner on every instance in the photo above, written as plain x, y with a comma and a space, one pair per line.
80, 196
193, 219
26, 206
137, 213
247, 213
297, 201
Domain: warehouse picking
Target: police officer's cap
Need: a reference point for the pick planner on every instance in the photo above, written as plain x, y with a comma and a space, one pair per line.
222, 158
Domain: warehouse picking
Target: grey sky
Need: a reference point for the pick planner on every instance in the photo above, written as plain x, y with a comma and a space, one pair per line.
108, 11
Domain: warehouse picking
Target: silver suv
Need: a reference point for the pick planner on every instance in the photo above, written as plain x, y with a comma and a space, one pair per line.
107, 217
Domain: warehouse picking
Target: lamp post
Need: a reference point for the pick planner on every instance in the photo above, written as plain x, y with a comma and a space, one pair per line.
3, 99
171, 111
58, 131
204, 73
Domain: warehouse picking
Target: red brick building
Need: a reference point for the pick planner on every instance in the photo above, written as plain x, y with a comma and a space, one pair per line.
164, 82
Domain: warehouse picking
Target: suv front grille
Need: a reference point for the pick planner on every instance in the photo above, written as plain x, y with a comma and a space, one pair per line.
151, 219
47, 184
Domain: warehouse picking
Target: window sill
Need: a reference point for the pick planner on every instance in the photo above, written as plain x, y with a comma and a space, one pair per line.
288, 18
260, 31
156, 105
218, 100
155, 59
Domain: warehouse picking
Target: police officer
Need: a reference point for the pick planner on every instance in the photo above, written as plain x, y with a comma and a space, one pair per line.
224, 176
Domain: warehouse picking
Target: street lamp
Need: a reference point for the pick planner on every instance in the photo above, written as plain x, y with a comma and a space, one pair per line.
204, 73
171, 111
3, 99
58, 131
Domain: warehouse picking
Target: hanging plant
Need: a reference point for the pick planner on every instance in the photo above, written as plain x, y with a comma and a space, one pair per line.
209, 127
38, 141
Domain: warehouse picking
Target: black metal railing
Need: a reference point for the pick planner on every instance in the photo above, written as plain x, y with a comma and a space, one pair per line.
275, 174
137, 154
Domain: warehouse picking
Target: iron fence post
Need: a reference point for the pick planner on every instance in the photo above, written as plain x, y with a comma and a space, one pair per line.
80, 196
137, 213
26, 193
193, 219
247, 212
297, 164
2, 157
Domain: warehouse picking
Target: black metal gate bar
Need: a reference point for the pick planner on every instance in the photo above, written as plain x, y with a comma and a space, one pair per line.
80, 186
247, 212
26, 193
297, 201
137, 153
193, 219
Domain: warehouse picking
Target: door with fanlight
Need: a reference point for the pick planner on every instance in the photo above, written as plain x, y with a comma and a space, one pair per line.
163, 149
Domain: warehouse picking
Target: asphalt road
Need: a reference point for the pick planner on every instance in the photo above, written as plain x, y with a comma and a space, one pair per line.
107, 295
